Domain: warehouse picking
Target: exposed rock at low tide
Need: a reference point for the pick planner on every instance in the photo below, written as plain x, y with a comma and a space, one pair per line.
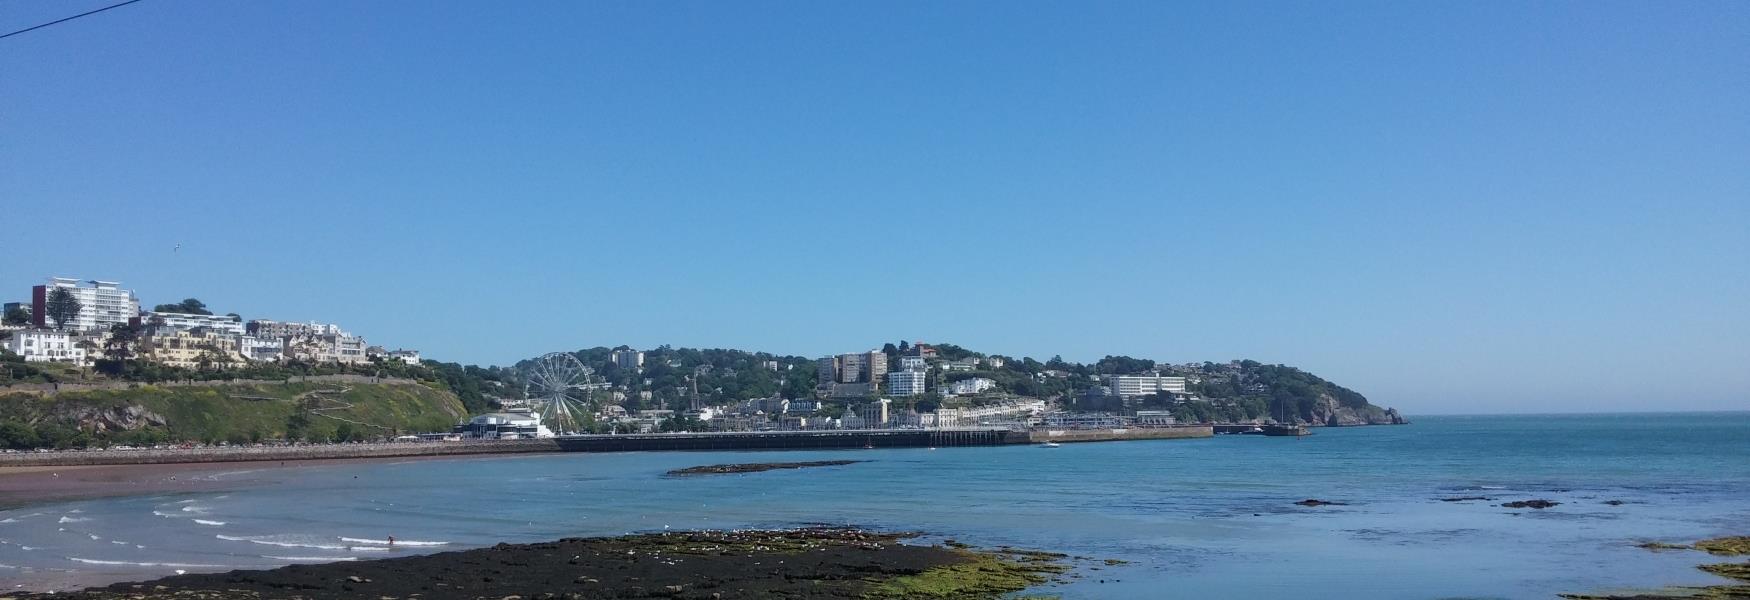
1318, 502
809, 563
1726, 546
757, 467
1467, 499
1538, 504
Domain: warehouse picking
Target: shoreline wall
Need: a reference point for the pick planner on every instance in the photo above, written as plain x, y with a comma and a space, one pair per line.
246, 454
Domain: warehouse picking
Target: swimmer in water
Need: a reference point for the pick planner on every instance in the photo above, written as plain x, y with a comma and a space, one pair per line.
391, 540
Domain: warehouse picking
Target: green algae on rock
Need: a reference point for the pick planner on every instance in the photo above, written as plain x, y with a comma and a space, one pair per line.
1725, 546
1662, 546
979, 575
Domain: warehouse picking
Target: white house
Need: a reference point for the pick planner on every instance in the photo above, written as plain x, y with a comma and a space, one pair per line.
222, 324
46, 345
976, 385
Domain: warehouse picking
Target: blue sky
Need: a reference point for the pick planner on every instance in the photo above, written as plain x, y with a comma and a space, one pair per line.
1450, 207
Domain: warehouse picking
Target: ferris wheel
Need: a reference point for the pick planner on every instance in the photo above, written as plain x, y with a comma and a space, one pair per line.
552, 384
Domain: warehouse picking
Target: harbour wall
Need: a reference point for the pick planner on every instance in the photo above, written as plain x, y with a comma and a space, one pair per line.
761, 440
1113, 435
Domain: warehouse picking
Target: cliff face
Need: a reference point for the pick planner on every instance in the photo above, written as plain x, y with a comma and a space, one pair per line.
1329, 412
240, 412
108, 419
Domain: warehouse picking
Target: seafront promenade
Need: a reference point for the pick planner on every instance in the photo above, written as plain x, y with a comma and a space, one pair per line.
750, 440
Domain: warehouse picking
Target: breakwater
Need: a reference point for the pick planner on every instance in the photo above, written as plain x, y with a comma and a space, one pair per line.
791, 440
1122, 434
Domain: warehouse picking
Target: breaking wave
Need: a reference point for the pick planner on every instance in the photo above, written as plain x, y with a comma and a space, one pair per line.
93, 561
281, 541
74, 519
397, 542
312, 558
206, 522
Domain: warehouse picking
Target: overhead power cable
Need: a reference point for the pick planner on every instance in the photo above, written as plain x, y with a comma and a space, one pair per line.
85, 14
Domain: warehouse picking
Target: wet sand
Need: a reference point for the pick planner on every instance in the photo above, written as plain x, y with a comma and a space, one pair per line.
22, 486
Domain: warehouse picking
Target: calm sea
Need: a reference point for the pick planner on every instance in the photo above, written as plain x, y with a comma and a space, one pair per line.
1195, 518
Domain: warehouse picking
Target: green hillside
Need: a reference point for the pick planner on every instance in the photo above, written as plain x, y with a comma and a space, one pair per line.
230, 413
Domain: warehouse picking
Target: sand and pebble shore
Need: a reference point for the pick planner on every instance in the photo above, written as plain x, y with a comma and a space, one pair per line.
811, 563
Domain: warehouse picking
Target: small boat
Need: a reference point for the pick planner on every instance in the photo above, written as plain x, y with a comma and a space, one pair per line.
1295, 430
1049, 445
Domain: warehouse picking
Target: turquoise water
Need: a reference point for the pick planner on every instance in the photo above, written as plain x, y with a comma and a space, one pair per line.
1196, 518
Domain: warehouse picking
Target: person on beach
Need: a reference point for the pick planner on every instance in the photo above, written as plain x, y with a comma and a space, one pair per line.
391, 540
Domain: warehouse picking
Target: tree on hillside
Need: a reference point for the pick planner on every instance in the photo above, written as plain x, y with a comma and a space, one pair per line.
16, 316
1122, 365
62, 307
88, 346
122, 346
188, 306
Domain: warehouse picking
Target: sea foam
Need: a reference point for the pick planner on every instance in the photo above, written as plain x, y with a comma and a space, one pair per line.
93, 561
397, 542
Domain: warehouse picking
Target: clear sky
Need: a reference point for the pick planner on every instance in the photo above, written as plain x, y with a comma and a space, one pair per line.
1449, 207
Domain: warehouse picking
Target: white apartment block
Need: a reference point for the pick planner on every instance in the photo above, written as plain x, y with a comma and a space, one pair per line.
976, 385
407, 356
913, 363
1130, 386
906, 383
273, 330
263, 349
628, 359
46, 345
102, 305
222, 324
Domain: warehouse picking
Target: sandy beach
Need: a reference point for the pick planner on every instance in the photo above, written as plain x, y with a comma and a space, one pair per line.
20, 486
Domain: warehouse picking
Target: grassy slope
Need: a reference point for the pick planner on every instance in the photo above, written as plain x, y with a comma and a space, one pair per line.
220, 413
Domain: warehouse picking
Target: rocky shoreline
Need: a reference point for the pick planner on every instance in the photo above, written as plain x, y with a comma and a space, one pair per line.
715, 565
1739, 572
